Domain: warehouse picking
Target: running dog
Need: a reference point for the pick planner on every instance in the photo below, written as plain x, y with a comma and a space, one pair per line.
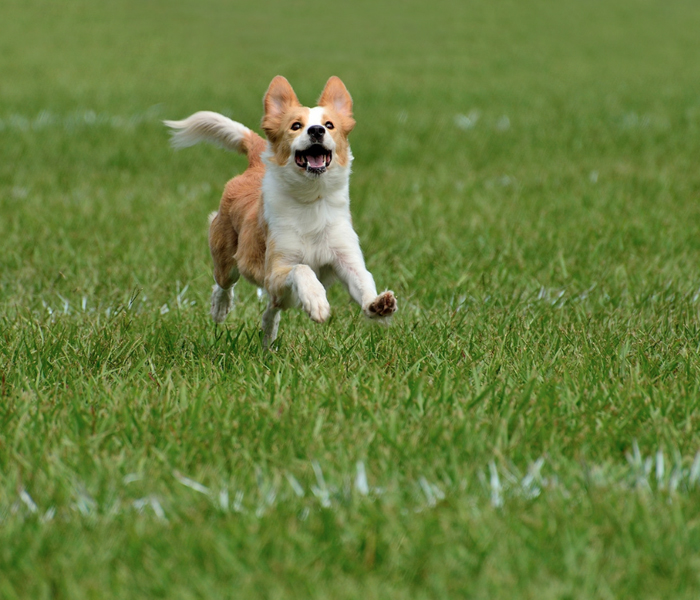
284, 224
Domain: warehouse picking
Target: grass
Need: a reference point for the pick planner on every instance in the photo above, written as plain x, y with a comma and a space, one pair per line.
525, 180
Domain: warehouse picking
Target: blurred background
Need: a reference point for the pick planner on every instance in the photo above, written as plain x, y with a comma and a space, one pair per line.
476, 120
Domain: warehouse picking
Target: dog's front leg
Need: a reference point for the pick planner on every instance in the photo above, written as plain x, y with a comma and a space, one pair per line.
350, 269
301, 283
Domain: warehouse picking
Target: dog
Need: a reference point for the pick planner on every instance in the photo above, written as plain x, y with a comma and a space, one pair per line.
284, 224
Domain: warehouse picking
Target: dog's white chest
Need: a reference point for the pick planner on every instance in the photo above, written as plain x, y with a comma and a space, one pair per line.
312, 234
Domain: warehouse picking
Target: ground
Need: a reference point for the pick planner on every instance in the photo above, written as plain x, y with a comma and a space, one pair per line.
525, 179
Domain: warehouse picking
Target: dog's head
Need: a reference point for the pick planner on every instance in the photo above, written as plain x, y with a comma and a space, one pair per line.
309, 141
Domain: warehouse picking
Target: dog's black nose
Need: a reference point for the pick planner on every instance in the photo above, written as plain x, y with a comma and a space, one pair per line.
316, 132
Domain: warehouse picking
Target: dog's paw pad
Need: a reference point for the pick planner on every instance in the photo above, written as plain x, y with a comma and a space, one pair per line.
383, 305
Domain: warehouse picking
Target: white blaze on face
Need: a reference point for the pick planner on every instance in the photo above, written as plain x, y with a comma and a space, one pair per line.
315, 117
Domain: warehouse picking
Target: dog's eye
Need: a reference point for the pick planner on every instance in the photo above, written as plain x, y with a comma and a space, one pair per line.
296, 126
329, 125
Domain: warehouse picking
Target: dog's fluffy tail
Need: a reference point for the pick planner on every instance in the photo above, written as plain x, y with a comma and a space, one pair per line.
207, 126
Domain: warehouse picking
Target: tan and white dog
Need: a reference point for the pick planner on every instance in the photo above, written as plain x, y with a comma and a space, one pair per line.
284, 224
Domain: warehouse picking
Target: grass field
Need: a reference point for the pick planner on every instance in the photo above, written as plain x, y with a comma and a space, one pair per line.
526, 180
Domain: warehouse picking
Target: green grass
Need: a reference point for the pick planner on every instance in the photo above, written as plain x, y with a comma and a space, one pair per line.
526, 180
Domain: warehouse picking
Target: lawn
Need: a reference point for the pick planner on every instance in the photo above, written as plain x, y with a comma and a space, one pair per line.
525, 179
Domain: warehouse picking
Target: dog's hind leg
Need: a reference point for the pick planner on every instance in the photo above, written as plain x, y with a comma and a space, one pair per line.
223, 243
221, 302
270, 324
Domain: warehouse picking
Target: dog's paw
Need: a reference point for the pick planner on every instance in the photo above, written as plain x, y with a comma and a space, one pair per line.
221, 303
383, 306
311, 294
316, 305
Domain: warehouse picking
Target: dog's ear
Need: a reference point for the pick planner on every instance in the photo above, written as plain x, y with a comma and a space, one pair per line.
336, 96
279, 98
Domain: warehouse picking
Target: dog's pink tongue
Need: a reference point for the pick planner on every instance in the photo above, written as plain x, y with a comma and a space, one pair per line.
316, 162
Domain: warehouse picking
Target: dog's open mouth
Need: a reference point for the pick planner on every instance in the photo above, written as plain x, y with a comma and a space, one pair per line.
315, 159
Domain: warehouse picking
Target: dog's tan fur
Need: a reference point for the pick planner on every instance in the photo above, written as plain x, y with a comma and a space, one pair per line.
237, 234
